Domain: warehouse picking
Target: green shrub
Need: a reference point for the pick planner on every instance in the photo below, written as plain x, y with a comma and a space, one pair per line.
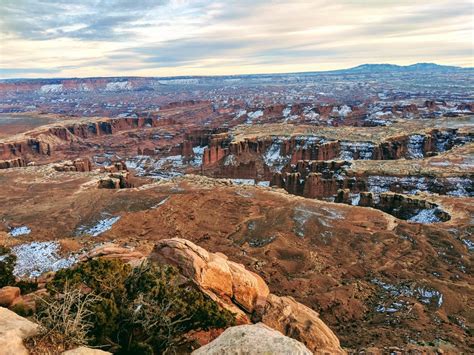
143, 310
7, 264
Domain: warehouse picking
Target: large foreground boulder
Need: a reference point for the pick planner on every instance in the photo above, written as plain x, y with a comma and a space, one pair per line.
301, 323
246, 294
255, 339
13, 330
229, 283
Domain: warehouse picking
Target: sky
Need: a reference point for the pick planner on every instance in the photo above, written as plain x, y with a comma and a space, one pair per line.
67, 38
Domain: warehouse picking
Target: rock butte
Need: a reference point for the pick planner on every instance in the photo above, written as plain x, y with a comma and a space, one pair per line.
348, 194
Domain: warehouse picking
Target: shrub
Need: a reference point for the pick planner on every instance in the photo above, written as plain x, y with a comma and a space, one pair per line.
66, 317
7, 264
145, 310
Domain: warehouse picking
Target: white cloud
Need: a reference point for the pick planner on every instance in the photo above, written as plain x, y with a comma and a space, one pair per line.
179, 37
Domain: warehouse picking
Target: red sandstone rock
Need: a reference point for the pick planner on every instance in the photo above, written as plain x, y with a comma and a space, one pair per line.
8, 294
236, 288
301, 323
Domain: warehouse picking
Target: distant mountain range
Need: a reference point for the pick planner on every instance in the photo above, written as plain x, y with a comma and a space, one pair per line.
190, 79
386, 68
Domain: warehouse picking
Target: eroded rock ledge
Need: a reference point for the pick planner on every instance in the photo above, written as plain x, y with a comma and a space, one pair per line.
246, 294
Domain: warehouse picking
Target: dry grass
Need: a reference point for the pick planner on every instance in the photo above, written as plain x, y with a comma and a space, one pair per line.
64, 322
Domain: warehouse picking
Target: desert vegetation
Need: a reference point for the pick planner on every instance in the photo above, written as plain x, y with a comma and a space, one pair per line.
110, 305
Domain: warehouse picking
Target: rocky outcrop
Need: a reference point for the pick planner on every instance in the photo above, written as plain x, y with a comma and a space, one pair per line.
316, 179
45, 141
113, 251
23, 148
301, 323
79, 165
255, 339
116, 167
235, 288
13, 330
259, 157
12, 163
118, 180
245, 293
406, 207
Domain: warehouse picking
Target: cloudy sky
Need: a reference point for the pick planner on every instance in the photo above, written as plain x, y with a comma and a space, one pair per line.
64, 38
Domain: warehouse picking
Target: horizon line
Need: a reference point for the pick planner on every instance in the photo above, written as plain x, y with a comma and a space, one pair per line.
238, 75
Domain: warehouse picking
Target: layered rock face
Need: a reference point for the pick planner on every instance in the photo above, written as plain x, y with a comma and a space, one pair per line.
12, 163
44, 142
405, 207
79, 165
118, 180
316, 179
257, 339
259, 158
246, 294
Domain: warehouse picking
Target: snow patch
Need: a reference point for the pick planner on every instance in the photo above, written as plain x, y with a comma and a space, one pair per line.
415, 146
17, 231
51, 88
349, 150
36, 258
118, 85
273, 159
253, 116
425, 216
101, 226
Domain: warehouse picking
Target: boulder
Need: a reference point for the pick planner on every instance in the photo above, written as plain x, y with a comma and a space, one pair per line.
27, 303
13, 330
82, 350
8, 294
246, 294
252, 339
113, 251
301, 323
217, 276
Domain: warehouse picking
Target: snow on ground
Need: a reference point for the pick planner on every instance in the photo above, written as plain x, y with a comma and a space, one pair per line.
397, 293
198, 154
230, 160
469, 244
273, 159
342, 111
164, 168
51, 88
355, 199
240, 113
349, 149
300, 217
17, 231
243, 181
36, 258
425, 216
415, 146
101, 226
251, 182
253, 116
411, 185
118, 85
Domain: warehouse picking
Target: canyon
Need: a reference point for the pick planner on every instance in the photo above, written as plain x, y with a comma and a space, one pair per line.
344, 194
